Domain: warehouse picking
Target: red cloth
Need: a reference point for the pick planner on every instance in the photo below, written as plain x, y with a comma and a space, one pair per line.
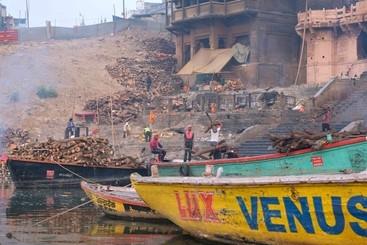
4, 157
189, 135
154, 144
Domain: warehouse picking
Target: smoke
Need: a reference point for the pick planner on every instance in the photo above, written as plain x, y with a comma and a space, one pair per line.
23, 68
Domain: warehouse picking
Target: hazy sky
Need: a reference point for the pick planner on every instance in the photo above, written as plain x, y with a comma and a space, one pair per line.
67, 12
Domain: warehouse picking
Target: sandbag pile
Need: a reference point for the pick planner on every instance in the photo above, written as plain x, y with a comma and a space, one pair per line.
303, 140
86, 151
14, 136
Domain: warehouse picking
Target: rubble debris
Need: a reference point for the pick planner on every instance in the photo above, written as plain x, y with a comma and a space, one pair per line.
86, 151
303, 140
14, 136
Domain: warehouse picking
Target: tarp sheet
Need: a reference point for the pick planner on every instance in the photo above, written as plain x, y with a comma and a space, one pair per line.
207, 61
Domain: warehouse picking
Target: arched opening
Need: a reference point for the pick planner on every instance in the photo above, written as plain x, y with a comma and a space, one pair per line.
362, 46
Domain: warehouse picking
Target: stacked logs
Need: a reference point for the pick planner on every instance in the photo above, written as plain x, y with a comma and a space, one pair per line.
125, 106
86, 151
134, 71
159, 44
303, 140
14, 136
233, 85
155, 57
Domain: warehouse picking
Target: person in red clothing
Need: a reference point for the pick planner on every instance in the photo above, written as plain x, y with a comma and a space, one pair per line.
157, 148
189, 143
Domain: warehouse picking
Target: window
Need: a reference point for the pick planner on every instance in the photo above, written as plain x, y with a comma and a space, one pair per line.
204, 43
187, 53
362, 46
221, 42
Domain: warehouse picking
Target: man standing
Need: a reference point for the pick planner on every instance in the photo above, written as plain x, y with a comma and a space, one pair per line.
157, 148
148, 80
326, 119
147, 134
70, 129
126, 130
214, 138
189, 143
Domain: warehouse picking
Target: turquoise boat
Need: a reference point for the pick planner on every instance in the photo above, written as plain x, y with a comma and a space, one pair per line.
348, 156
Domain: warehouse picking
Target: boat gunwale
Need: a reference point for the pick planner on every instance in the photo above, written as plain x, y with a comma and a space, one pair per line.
87, 187
25, 161
264, 180
252, 159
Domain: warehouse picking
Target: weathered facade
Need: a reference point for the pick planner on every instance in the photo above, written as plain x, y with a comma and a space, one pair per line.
266, 27
336, 41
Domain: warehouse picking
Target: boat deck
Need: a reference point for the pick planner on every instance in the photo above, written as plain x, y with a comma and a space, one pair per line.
303, 179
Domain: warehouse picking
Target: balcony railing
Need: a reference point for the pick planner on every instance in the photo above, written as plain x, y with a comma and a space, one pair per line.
210, 9
333, 17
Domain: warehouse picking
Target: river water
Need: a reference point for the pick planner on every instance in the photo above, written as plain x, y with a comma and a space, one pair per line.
20, 210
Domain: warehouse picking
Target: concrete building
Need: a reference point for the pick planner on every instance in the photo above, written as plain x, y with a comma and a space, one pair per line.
266, 30
2, 17
265, 27
2, 10
335, 40
151, 11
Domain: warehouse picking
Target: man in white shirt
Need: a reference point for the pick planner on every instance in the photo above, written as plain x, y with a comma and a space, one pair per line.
214, 138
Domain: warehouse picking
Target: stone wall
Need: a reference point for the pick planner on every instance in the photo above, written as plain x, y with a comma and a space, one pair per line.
64, 33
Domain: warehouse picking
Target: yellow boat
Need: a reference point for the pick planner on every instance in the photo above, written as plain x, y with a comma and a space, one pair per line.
311, 209
119, 202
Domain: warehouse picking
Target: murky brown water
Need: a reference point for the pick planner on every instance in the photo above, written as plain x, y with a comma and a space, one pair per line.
21, 209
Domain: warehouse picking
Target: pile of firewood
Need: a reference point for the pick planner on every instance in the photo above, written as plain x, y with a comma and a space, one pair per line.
303, 140
125, 106
233, 85
14, 136
230, 85
86, 151
134, 72
155, 58
159, 45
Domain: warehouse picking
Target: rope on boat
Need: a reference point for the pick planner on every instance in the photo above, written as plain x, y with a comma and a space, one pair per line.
62, 213
87, 180
10, 235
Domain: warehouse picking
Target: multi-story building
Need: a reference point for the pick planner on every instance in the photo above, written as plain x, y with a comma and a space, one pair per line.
2, 10
265, 28
335, 40
2, 17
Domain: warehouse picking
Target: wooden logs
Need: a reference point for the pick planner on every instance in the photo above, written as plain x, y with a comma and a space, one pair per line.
302, 140
85, 151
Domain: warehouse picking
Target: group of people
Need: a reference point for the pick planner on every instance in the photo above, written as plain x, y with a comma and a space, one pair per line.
157, 148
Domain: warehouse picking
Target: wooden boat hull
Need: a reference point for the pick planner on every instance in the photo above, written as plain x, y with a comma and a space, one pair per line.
36, 174
119, 202
324, 209
345, 156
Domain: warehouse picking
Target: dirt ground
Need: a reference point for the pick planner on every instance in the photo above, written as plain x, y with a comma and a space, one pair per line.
74, 68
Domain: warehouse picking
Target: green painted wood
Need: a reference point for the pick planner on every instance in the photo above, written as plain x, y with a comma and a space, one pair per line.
351, 157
